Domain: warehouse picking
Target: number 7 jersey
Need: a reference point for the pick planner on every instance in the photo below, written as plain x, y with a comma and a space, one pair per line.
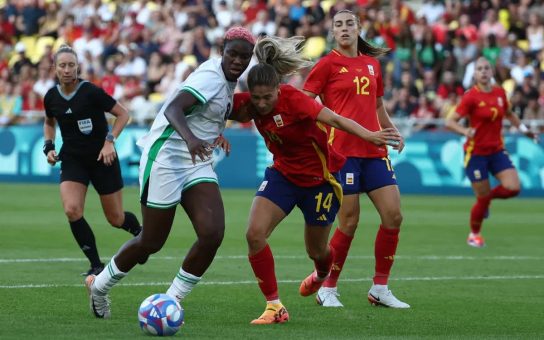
485, 111
350, 86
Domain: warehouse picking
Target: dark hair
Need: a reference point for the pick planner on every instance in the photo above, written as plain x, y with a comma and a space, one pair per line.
277, 57
63, 49
362, 45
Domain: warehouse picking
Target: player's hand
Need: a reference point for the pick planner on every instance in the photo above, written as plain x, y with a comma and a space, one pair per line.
52, 157
223, 143
470, 132
107, 154
387, 136
200, 148
533, 136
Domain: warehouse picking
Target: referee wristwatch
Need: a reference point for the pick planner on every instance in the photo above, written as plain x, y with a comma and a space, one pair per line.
110, 137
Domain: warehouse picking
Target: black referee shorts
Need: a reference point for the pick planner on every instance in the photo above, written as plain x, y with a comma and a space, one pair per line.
105, 179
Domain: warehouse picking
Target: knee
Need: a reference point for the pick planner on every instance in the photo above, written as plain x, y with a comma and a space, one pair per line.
255, 239
212, 238
393, 220
73, 212
116, 219
514, 188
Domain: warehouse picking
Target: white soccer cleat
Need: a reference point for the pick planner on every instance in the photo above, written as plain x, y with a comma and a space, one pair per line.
384, 297
99, 304
328, 297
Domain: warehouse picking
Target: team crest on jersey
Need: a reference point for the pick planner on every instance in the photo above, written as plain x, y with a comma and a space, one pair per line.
85, 126
499, 101
349, 178
278, 120
371, 69
343, 70
482, 104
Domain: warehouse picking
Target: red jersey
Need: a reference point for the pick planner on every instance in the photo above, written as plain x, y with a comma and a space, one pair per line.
296, 140
349, 87
485, 111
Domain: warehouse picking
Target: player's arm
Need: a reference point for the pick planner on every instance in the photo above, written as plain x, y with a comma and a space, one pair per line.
386, 122
175, 114
452, 123
516, 122
49, 140
387, 136
107, 153
308, 93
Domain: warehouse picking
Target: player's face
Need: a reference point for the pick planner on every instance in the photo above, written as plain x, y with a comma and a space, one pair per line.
66, 68
236, 57
264, 98
483, 72
345, 29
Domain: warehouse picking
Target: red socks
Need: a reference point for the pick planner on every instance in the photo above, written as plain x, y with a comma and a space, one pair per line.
478, 213
385, 248
501, 192
340, 243
262, 264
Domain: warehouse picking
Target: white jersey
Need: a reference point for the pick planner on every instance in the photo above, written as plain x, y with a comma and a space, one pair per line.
206, 120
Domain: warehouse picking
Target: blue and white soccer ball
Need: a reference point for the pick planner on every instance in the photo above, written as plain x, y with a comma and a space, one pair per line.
160, 315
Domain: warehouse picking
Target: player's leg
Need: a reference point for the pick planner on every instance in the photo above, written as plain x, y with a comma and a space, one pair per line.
319, 205
204, 207
348, 219
273, 201
503, 169
265, 215
157, 225
108, 183
73, 201
387, 202
477, 172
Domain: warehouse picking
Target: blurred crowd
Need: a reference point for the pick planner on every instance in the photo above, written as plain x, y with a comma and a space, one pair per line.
140, 50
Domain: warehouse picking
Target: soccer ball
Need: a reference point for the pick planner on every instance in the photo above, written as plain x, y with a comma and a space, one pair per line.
160, 315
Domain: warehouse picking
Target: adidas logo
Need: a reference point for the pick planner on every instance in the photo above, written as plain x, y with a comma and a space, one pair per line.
482, 104
322, 218
68, 111
343, 70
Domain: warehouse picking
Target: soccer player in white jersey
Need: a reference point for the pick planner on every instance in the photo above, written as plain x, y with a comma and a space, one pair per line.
176, 168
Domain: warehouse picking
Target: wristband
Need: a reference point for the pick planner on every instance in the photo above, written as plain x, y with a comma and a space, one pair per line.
523, 128
48, 145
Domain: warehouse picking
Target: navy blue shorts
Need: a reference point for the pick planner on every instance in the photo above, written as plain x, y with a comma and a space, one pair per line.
318, 204
360, 175
478, 167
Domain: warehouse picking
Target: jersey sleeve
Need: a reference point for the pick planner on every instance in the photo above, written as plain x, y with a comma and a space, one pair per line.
47, 103
318, 77
465, 106
304, 105
101, 99
203, 84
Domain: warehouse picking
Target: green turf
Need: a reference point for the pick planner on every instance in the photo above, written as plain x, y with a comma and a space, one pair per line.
455, 291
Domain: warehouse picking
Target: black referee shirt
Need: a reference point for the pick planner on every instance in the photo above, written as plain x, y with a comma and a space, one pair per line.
81, 117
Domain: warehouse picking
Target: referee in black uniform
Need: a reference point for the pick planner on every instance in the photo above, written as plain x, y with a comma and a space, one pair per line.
88, 153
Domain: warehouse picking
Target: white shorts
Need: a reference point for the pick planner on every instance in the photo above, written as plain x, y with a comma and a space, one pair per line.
162, 187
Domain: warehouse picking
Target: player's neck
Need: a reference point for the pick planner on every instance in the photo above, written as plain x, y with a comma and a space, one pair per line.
68, 88
485, 88
348, 52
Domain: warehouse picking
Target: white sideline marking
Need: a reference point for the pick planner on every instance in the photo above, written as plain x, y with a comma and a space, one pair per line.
230, 283
297, 257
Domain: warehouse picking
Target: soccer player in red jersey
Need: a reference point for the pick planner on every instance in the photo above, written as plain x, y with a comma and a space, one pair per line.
349, 81
304, 170
485, 105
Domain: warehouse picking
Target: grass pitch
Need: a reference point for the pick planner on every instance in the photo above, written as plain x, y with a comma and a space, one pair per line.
455, 291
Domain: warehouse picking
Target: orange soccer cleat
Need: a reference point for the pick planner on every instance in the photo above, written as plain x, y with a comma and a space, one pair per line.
310, 285
273, 313
475, 240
